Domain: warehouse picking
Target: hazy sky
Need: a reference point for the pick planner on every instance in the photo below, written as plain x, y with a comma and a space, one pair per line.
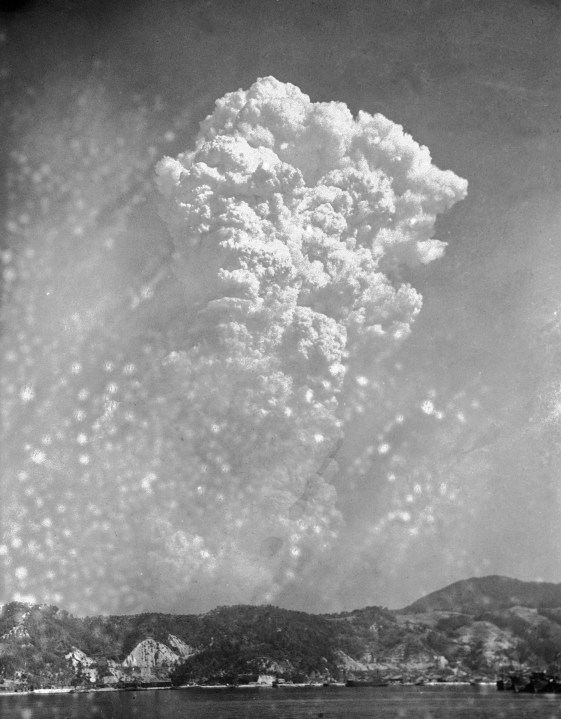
451, 467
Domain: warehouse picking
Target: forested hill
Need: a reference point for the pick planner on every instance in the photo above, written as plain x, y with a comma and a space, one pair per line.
489, 593
476, 628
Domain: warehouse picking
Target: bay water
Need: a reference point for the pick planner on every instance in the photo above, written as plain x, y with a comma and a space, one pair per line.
442, 702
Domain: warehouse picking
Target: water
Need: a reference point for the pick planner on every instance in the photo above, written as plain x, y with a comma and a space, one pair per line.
326, 703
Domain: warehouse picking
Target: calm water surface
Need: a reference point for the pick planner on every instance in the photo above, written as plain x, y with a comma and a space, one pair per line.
327, 703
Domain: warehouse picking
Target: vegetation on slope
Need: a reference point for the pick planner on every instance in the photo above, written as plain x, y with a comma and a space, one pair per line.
481, 594
482, 635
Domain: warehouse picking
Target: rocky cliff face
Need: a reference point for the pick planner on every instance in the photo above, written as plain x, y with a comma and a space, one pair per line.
180, 647
148, 661
353, 665
19, 632
84, 666
151, 654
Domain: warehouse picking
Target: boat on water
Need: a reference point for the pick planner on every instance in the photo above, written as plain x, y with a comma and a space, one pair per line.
365, 683
536, 683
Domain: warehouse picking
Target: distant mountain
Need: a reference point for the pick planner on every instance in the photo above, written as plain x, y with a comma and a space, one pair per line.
474, 628
481, 594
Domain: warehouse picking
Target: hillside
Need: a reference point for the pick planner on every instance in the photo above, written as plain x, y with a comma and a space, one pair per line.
476, 628
488, 594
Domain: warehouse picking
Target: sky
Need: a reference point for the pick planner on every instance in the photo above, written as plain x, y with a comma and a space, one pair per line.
192, 414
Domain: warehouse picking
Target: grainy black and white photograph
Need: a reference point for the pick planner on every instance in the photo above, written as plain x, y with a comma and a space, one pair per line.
280, 359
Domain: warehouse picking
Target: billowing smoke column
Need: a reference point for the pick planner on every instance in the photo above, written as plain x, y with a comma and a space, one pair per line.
173, 412
290, 220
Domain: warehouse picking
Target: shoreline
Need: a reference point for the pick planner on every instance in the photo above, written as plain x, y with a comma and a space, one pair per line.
87, 690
